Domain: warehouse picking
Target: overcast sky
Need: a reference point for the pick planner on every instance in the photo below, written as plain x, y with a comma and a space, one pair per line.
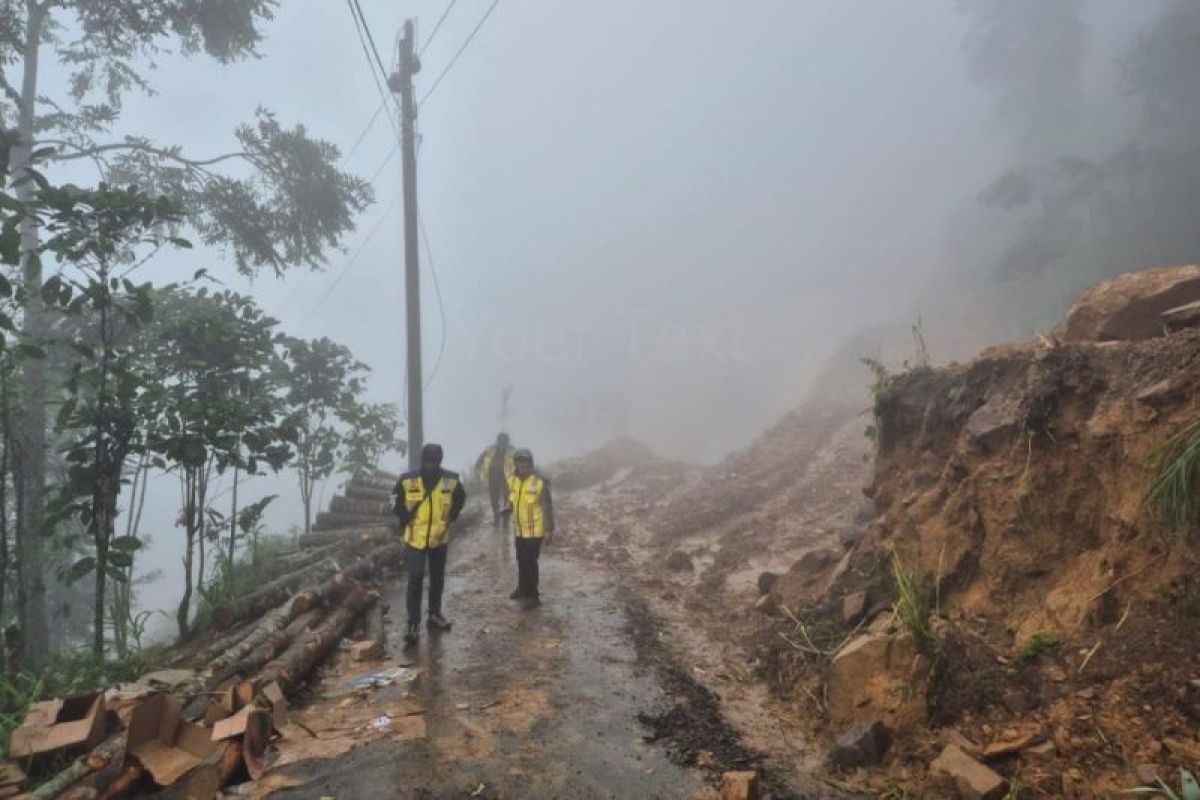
654, 218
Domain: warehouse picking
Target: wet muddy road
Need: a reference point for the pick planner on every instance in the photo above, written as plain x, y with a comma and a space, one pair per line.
518, 704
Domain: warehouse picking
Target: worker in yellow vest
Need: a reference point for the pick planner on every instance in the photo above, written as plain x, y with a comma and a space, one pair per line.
493, 468
532, 510
427, 501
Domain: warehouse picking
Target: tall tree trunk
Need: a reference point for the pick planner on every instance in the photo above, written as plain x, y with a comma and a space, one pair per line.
232, 529
6, 440
189, 515
31, 580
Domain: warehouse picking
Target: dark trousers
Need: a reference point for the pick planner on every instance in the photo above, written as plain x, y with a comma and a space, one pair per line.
498, 494
528, 551
417, 562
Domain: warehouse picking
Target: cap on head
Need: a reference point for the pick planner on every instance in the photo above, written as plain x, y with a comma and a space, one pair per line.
432, 454
524, 454
502, 439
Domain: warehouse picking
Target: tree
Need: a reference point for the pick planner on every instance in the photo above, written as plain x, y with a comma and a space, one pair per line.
289, 211
372, 434
213, 353
322, 382
111, 390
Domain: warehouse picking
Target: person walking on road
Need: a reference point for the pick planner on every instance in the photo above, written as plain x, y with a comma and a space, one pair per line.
495, 467
427, 501
532, 510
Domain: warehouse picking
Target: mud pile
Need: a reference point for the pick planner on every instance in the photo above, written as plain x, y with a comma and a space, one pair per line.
600, 465
1016, 601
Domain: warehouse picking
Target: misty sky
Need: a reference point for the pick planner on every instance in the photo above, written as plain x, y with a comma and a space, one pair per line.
650, 217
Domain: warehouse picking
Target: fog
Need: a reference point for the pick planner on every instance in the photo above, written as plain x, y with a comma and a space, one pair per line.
660, 219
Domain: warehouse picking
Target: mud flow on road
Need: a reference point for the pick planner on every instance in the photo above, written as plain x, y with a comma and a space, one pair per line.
517, 703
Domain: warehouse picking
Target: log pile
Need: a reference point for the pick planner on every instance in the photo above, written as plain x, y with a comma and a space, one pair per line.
256, 652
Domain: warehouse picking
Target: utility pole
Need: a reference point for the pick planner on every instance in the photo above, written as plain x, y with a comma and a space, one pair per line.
401, 83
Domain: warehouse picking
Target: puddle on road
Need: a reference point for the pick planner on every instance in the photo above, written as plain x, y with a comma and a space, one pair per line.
540, 703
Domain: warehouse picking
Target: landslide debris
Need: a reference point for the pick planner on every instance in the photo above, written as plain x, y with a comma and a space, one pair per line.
1020, 590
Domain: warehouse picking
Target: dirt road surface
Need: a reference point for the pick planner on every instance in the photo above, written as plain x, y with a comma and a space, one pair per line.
570, 700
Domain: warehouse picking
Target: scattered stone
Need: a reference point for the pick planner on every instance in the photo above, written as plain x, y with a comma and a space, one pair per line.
994, 421
815, 561
679, 561
973, 780
955, 737
739, 786
1130, 307
1006, 747
1044, 750
854, 606
368, 650
872, 678
863, 745
766, 581
768, 604
1015, 701
1147, 774
849, 536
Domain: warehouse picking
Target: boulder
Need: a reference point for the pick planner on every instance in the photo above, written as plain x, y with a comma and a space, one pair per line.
994, 422
739, 786
878, 676
1130, 307
973, 780
767, 604
863, 745
679, 561
766, 581
854, 606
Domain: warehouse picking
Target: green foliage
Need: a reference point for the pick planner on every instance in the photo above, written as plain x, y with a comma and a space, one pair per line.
1189, 788
1174, 490
1039, 643
914, 605
250, 570
878, 387
64, 675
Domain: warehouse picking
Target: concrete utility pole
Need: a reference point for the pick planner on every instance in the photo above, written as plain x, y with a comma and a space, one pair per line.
401, 83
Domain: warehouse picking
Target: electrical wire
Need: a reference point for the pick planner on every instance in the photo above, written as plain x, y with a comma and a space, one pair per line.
355, 6
437, 288
437, 27
365, 131
454, 60
364, 34
353, 258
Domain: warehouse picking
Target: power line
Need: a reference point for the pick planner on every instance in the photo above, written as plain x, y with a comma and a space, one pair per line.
437, 288
437, 27
365, 131
354, 257
364, 33
454, 60
370, 38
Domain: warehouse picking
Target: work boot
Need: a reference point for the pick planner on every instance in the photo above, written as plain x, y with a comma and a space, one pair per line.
530, 601
439, 623
411, 634
517, 594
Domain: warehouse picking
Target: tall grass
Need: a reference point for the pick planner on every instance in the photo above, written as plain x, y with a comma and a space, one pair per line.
914, 605
1174, 490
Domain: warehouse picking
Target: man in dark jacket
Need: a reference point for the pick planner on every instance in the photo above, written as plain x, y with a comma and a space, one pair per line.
494, 466
427, 501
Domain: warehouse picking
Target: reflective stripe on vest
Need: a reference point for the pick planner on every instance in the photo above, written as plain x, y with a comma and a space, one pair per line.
430, 512
525, 497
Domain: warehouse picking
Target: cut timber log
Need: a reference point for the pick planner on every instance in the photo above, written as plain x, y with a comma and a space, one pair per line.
273, 594
129, 780
372, 507
373, 625
374, 534
106, 753
304, 653
358, 491
268, 648
329, 520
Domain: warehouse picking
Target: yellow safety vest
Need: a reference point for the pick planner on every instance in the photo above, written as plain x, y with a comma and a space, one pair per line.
430, 512
489, 455
525, 497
